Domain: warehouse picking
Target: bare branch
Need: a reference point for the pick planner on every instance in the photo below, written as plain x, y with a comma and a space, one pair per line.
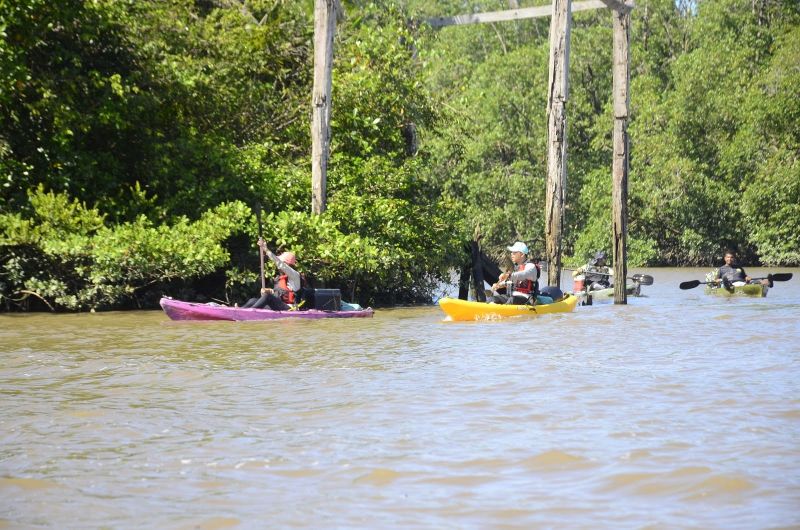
37, 295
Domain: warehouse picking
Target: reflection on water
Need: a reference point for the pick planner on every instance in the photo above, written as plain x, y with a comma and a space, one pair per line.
677, 410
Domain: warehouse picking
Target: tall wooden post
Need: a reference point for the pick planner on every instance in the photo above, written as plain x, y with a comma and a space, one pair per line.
619, 170
324, 29
557, 92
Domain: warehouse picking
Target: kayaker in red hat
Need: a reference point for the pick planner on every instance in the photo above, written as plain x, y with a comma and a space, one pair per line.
286, 285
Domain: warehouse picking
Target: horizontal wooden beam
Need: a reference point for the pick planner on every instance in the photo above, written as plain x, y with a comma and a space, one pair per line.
619, 5
517, 14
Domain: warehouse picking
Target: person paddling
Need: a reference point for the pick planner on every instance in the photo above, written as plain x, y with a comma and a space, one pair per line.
287, 285
596, 273
732, 274
524, 279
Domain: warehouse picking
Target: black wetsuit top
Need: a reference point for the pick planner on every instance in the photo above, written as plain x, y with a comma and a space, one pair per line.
732, 274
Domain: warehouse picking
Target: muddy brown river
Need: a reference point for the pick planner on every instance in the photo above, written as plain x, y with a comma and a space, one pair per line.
678, 410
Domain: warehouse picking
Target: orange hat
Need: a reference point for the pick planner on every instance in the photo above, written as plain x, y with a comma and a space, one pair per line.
288, 258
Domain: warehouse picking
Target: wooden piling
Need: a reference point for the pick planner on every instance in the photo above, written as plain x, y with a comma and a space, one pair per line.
620, 165
557, 92
325, 13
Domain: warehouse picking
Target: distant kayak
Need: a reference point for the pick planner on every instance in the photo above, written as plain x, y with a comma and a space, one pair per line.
632, 288
463, 310
754, 290
757, 288
599, 295
179, 310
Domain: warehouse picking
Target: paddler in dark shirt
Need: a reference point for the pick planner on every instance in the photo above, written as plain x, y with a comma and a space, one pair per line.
731, 273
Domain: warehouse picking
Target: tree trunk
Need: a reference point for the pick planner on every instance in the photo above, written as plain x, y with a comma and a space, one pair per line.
558, 89
463, 282
324, 30
477, 272
619, 170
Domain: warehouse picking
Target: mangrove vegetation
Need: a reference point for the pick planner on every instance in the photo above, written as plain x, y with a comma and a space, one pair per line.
138, 136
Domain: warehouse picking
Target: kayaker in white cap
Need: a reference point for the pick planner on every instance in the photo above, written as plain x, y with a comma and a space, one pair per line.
524, 279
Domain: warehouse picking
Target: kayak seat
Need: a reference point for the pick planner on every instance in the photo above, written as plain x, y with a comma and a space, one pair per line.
552, 291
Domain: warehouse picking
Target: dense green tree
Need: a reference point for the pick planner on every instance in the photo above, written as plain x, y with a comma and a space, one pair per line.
135, 137
214, 110
713, 102
184, 102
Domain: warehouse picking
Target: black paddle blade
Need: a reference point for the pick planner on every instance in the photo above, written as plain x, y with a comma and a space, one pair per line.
780, 277
258, 218
691, 284
643, 279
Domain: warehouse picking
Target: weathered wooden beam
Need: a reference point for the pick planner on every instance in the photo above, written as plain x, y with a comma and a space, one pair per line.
619, 171
557, 93
513, 14
619, 5
325, 14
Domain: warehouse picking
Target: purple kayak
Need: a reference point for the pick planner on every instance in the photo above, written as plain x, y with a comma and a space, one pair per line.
178, 310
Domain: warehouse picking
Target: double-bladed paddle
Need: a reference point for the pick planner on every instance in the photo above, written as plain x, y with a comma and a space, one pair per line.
644, 279
778, 277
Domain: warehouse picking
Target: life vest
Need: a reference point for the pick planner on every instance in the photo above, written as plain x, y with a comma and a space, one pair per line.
526, 286
282, 286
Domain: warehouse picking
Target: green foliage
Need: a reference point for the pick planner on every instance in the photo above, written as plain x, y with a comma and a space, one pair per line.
166, 96
65, 255
490, 153
765, 155
383, 238
713, 130
771, 207
377, 87
133, 133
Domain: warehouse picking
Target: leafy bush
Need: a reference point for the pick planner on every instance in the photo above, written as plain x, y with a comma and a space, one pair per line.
383, 238
66, 257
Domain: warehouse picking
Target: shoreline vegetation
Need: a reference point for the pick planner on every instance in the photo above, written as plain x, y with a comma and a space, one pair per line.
136, 139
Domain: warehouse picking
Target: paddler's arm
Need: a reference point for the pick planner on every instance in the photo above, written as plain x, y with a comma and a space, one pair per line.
292, 276
501, 281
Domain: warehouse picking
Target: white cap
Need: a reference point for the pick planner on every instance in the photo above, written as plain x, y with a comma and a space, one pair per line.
519, 246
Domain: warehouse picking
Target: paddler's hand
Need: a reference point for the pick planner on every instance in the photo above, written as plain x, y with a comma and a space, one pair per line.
503, 277
266, 290
262, 243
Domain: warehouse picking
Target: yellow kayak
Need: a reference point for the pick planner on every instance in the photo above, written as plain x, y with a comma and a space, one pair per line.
456, 309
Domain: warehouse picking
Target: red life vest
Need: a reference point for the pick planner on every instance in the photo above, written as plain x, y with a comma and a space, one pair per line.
282, 283
525, 286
